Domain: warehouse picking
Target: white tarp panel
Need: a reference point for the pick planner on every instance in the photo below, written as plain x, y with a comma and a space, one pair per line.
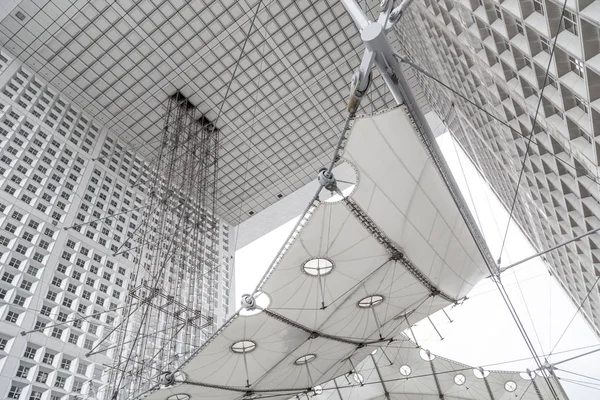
406, 375
386, 251
331, 233
401, 190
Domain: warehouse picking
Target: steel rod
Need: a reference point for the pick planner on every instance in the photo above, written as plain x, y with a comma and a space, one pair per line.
550, 249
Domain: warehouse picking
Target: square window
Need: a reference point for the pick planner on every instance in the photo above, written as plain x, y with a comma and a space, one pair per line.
46, 310
6, 277
48, 358
14, 392
88, 344
552, 82
23, 371
519, 25
19, 300
576, 66
39, 325
29, 352
62, 317
73, 338
587, 137
60, 382
35, 395
570, 22
12, 316
65, 363
41, 377
26, 285
82, 368
579, 102
14, 262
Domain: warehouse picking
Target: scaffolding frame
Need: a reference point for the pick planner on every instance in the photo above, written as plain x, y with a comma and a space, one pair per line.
170, 306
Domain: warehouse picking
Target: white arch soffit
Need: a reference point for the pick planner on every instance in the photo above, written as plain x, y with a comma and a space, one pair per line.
400, 206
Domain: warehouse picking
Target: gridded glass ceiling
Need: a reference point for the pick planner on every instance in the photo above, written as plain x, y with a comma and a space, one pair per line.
279, 109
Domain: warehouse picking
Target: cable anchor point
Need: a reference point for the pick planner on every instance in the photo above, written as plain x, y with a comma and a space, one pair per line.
359, 85
327, 180
167, 379
248, 302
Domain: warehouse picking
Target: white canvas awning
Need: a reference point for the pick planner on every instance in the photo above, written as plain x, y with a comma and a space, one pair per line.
401, 371
353, 276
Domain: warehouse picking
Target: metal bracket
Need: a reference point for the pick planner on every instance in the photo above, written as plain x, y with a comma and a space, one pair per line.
378, 50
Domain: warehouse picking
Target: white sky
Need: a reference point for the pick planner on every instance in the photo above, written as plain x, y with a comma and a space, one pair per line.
483, 332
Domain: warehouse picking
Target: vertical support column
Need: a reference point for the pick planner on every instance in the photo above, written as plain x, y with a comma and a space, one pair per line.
487, 384
447, 316
411, 330
534, 383
435, 327
337, 389
434, 374
385, 391
557, 380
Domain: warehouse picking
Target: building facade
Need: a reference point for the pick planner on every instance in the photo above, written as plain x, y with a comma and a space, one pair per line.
72, 197
522, 92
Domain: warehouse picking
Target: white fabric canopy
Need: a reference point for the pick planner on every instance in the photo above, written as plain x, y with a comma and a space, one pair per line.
391, 252
401, 190
406, 372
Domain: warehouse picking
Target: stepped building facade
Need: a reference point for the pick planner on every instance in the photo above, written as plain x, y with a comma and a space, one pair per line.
522, 92
72, 199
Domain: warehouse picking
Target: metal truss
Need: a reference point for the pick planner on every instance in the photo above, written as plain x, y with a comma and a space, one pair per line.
395, 253
170, 304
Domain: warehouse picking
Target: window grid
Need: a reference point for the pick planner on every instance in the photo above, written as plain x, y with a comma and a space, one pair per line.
44, 159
